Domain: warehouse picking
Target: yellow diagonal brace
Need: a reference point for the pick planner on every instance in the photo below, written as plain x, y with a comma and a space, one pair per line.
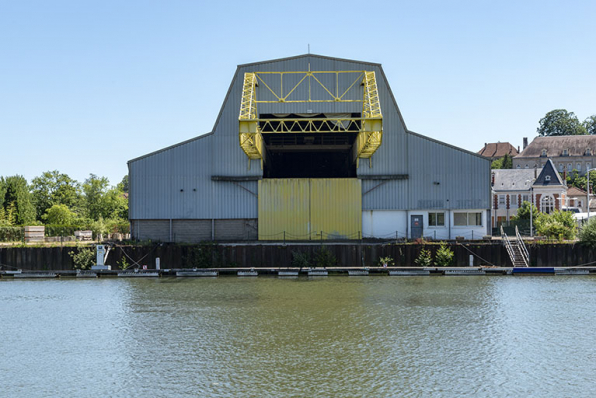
371, 135
250, 137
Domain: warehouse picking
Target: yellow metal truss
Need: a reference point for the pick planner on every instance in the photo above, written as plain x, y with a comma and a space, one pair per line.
371, 136
369, 126
250, 137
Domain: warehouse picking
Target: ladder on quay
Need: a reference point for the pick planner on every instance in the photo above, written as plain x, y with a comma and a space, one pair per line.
518, 253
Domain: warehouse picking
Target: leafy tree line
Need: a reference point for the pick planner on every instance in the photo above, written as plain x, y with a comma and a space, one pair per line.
54, 199
554, 123
574, 179
560, 122
506, 162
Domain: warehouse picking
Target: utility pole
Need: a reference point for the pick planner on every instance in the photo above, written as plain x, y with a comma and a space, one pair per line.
588, 186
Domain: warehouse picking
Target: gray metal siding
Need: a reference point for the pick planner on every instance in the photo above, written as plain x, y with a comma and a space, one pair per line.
156, 179
442, 177
385, 195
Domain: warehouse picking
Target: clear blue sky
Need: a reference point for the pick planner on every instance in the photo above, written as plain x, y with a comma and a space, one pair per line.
86, 86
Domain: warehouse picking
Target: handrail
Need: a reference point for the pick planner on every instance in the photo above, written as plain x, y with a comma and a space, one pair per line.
507, 244
523, 249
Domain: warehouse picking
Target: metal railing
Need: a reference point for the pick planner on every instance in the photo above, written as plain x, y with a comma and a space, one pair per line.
508, 246
522, 248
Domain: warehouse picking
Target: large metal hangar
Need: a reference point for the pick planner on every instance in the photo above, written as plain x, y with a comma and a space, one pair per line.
308, 148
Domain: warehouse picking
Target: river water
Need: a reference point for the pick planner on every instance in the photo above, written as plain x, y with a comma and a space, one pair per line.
319, 337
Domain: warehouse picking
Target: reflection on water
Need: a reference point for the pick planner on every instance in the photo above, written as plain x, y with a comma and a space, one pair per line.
330, 337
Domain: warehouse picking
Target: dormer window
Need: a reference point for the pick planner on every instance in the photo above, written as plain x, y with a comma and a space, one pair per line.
588, 152
565, 152
546, 178
543, 153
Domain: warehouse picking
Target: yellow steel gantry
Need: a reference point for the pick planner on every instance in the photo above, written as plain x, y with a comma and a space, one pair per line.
369, 126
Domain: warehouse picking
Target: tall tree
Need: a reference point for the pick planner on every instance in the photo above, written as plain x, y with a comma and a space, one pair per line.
3, 188
59, 214
17, 200
94, 189
123, 185
590, 124
560, 122
54, 188
506, 162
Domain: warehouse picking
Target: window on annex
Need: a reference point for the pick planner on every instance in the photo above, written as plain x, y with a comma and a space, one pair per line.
525, 198
547, 204
578, 167
466, 219
513, 200
569, 167
436, 219
501, 199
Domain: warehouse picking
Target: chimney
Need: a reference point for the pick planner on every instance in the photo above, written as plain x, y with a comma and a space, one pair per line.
518, 151
492, 182
525, 142
535, 172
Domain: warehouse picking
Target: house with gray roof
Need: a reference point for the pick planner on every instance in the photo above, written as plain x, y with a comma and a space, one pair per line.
568, 153
543, 187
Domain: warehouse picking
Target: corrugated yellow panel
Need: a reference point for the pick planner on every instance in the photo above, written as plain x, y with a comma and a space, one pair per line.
284, 206
336, 208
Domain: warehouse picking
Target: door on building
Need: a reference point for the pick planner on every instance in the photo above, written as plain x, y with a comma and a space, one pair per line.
416, 226
310, 208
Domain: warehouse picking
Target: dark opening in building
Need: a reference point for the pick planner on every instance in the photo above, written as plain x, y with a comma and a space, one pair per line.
310, 146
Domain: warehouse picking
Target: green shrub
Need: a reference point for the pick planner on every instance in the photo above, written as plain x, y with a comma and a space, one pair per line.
324, 258
557, 225
424, 259
587, 235
444, 256
62, 230
300, 260
83, 258
202, 255
123, 263
383, 261
12, 234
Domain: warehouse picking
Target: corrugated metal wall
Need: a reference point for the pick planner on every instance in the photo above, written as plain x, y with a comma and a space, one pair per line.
442, 177
284, 207
175, 183
303, 208
336, 208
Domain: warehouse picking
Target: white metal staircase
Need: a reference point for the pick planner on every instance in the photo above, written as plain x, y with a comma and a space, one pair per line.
518, 253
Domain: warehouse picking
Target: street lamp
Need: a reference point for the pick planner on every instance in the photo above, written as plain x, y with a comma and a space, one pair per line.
588, 186
531, 206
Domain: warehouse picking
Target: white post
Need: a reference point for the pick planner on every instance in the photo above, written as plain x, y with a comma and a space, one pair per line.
471, 260
588, 178
157, 263
531, 212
